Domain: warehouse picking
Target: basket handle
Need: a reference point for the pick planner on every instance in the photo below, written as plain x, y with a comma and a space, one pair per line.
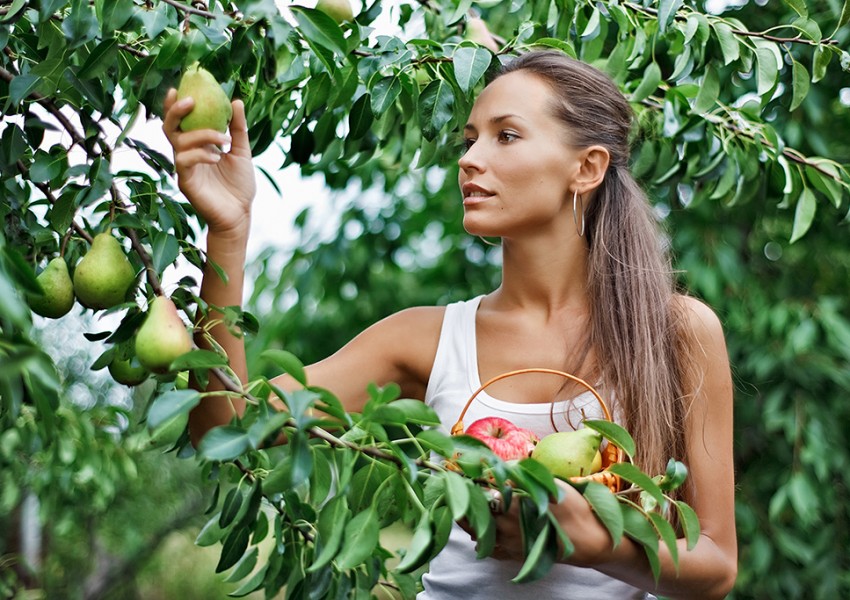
457, 428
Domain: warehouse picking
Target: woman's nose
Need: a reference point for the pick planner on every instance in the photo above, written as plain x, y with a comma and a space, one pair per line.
472, 158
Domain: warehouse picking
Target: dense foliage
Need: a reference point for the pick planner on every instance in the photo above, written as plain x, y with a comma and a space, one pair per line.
740, 143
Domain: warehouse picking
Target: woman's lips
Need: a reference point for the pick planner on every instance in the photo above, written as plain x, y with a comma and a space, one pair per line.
474, 194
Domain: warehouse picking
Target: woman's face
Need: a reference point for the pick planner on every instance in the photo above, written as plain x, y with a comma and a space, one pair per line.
516, 172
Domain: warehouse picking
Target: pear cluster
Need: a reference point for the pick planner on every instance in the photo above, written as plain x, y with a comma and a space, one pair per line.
101, 280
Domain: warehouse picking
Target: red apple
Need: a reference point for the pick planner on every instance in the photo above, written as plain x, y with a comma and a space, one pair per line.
506, 440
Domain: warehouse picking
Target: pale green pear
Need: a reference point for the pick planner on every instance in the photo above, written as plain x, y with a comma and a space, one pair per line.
104, 275
162, 337
570, 453
212, 108
58, 290
339, 10
125, 367
477, 31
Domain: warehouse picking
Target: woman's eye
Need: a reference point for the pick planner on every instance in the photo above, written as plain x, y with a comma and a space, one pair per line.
507, 136
467, 144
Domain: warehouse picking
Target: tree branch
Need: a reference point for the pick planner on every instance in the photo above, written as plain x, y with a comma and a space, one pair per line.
45, 189
190, 10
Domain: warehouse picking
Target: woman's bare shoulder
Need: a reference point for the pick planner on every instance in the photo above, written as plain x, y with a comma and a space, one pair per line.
699, 318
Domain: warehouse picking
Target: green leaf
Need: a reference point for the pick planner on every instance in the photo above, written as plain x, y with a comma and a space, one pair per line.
540, 558
224, 443
233, 548
481, 520
100, 59
457, 494
674, 476
667, 534
844, 18
320, 28
164, 251
638, 527
171, 404
606, 506
409, 411
649, 83
708, 91
287, 361
436, 441
436, 104
245, 565
230, 508
631, 473
729, 46
666, 13
21, 87
360, 118
689, 522
417, 551
768, 70
360, 539
470, 64
804, 214
331, 526
384, 93
210, 533
799, 7
198, 359
252, 585
800, 83
822, 56
614, 433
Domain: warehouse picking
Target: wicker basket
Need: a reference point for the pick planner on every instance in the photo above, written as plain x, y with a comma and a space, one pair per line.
611, 454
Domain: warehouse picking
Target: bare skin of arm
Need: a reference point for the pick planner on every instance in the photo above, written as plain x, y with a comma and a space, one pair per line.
221, 187
708, 571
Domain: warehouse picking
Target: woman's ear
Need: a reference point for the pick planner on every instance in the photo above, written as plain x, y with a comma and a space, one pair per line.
592, 168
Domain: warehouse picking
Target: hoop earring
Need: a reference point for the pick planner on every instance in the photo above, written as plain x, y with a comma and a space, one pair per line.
576, 199
488, 242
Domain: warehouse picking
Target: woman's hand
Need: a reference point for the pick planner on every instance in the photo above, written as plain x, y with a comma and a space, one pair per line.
219, 185
592, 542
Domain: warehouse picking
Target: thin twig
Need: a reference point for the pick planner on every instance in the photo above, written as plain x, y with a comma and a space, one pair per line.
45, 189
190, 9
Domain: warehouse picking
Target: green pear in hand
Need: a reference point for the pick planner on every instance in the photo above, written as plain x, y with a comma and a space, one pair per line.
104, 275
57, 295
212, 108
570, 453
162, 337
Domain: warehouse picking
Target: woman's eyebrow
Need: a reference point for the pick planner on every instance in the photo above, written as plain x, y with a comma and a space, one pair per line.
493, 121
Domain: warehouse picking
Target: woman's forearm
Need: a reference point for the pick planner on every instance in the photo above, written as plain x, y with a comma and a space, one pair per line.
703, 573
228, 252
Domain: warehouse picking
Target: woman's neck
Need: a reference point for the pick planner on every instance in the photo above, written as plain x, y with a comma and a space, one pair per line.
543, 276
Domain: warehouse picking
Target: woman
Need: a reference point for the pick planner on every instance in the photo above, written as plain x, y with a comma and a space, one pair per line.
586, 288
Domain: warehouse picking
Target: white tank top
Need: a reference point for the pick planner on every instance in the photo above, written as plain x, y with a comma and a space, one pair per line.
456, 572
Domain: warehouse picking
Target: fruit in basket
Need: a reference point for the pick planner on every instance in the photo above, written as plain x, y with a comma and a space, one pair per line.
506, 440
570, 453
212, 108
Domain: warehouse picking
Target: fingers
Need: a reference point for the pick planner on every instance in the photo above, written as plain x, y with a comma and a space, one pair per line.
239, 130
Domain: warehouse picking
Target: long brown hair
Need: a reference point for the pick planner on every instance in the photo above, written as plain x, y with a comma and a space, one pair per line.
636, 326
